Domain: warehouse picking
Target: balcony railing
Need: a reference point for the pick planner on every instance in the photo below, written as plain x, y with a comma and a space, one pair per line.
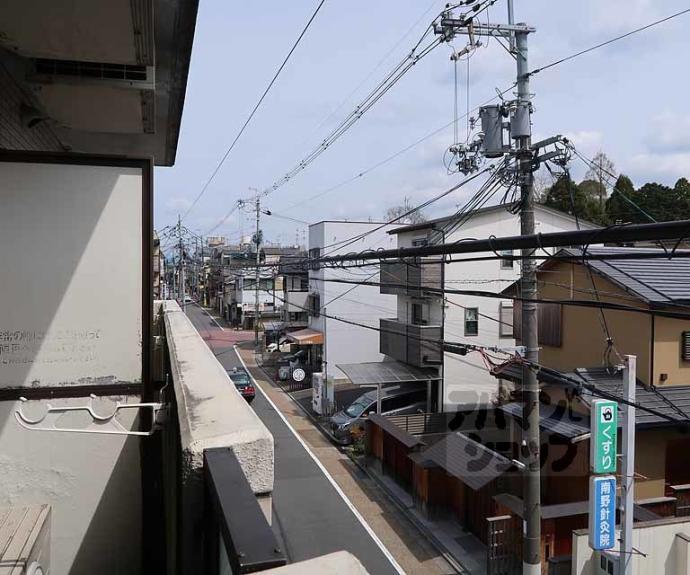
418, 345
237, 534
411, 278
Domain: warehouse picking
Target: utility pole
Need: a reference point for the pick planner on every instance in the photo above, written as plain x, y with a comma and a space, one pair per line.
257, 241
521, 132
180, 265
521, 129
628, 471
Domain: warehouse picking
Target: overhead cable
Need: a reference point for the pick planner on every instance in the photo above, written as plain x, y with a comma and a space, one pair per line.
256, 107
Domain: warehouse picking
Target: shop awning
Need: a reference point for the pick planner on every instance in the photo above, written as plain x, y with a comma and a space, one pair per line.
306, 336
384, 372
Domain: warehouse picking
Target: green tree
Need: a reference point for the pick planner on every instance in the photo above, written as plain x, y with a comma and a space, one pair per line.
620, 209
583, 202
659, 201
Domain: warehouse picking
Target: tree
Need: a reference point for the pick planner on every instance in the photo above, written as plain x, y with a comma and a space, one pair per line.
603, 171
400, 214
566, 196
659, 201
619, 207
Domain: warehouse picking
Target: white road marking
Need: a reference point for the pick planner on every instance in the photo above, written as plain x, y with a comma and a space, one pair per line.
332, 481
209, 315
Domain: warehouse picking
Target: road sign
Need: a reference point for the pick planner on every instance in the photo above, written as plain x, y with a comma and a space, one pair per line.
602, 511
603, 442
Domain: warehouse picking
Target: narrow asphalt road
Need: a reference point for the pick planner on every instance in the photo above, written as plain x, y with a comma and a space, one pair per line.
310, 518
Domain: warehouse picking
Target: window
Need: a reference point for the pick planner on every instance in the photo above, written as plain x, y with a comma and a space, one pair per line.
549, 329
419, 242
506, 261
505, 317
471, 321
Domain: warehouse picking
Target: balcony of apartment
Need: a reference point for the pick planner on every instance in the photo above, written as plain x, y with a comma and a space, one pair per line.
408, 277
295, 301
418, 345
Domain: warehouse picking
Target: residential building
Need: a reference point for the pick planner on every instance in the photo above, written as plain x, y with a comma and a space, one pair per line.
295, 278
158, 268
441, 314
334, 297
658, 288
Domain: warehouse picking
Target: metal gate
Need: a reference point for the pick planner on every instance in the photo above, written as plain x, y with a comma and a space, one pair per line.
504, 545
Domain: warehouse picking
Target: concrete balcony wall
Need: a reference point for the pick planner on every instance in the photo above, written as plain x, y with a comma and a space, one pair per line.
91, 481
206, 412
418, 345
296, 301
401, 278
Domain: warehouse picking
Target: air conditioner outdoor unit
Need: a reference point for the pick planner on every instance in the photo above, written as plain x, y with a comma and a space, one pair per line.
28, 531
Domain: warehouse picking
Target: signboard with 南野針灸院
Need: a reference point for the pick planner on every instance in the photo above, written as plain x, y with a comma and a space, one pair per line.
604, 438
602, 512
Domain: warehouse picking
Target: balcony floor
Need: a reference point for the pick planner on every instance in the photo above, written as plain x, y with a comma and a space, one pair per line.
309, 516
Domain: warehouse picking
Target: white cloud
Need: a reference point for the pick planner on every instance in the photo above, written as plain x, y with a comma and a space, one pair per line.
669, 132
177, 204
664, 167
586, 141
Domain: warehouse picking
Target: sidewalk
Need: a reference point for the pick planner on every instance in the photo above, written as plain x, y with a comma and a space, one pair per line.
402, 538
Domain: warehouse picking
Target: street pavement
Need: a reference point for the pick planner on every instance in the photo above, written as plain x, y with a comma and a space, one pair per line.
310, 518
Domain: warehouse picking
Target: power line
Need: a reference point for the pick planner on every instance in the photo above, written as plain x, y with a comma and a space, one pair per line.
256, 107
607, 42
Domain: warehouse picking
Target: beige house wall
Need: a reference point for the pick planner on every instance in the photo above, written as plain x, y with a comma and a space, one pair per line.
668, 335
583, 336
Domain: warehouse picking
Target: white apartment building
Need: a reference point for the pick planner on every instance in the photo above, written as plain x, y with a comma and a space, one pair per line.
346, 343
466, 318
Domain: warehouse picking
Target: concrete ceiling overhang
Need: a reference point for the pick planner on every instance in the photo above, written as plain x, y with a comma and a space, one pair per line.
74, 61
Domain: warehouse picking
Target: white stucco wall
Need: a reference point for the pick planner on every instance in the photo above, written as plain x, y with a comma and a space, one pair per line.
664, 544
71, 236
466, 379
92, 483
364, 304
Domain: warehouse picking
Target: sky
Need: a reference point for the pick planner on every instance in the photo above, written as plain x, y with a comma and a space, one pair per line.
627, 99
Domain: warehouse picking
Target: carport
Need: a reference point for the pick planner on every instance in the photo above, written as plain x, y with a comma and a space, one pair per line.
380, 373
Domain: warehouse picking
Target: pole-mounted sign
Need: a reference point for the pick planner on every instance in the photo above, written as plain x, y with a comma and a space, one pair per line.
602, 512
603, 443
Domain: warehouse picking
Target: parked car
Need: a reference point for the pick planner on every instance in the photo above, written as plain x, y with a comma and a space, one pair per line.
188, 299
243, 382
395, 400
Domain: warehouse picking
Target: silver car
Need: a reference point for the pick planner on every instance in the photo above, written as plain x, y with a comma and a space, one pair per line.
395, 400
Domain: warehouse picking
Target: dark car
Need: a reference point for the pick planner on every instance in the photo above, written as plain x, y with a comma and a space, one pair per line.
243, 382
395, 400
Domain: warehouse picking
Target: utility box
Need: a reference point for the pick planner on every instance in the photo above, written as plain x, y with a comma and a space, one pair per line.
520, 121
322, 398
492, 126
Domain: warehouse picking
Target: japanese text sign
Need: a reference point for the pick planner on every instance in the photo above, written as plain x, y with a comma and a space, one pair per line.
603, 442
602, 511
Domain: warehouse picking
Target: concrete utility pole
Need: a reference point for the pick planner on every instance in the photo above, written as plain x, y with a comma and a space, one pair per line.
257, 241
521, 132
180, 255
628, 471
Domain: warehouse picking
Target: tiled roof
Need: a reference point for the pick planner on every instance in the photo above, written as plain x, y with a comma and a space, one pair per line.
660, 281
672, 401
468, 460
554, 419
